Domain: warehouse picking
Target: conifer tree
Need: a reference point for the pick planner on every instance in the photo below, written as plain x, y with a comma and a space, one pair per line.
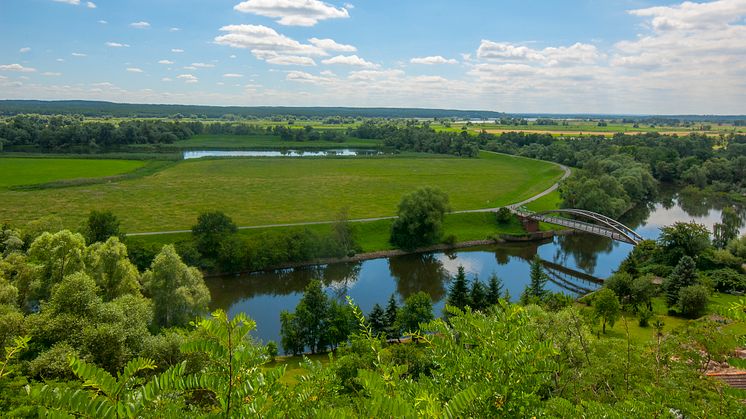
458, 294
392, 331
377, 320
494, 289
478, 296
683, 275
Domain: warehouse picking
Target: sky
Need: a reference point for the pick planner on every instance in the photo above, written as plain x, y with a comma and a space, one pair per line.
570, 56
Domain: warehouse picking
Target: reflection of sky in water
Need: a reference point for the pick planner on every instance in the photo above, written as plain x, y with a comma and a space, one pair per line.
377, 279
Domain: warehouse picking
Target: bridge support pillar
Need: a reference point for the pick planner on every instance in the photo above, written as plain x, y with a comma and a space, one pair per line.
530, 225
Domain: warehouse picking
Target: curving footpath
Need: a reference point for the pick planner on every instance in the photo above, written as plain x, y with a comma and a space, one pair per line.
549, 190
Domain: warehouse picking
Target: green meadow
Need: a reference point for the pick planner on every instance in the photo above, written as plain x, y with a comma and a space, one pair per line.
262, 191
31, 171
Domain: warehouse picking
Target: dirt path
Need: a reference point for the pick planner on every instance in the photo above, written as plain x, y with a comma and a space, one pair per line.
366, 220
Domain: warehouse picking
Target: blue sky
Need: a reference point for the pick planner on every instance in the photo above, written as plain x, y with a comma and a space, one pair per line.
612, 56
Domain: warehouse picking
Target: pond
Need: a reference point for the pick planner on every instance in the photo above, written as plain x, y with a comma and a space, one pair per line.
343, 152
572, 262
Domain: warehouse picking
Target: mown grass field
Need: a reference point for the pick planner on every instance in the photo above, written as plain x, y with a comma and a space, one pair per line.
274, 191
268, 142
23, 171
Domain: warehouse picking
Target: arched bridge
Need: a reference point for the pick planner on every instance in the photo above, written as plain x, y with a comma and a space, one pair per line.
586, 221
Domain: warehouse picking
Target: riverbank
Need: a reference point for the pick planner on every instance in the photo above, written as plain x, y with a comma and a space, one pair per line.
541, 236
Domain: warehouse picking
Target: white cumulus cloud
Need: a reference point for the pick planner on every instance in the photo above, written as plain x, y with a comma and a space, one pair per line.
434, 59
90, 5
188, 78
167, 62
17, 68
116, 45
72, 2
202, 65
331, 45
353, 60
140, 25
51, 74
78, 54
177, 50
24, 50
232, 75
293, 12
134, 70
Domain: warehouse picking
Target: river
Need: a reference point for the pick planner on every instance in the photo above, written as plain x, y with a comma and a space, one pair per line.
573, 259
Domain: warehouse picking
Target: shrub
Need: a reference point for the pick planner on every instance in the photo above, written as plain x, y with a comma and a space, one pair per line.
693, 301
503, 215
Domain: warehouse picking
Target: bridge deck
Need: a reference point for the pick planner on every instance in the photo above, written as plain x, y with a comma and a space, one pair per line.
581, 226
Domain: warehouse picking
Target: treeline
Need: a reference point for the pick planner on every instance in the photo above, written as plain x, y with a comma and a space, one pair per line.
62, 133
74, 134
619, 172
215, 246
133, 110
412, 137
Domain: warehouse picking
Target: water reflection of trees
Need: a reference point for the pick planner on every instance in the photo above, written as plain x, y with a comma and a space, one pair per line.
584, 249
227, 290
419, 272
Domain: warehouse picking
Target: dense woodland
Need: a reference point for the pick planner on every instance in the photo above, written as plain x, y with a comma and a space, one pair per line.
617, 173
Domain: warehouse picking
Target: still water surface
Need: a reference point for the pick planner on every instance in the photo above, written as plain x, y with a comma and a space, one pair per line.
569, 258
196, 154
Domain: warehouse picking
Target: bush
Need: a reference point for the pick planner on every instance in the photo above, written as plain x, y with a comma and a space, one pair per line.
644, 316
693, 301
272, 350
503, 215
728, 280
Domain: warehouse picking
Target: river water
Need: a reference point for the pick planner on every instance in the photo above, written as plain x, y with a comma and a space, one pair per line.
570, 261
346, 152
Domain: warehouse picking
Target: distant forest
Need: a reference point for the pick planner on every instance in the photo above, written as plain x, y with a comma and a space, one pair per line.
131, 110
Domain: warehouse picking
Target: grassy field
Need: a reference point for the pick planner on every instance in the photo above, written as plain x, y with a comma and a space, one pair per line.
718, 304
272, 191
585, 128
373, 236
23, 171
267, 142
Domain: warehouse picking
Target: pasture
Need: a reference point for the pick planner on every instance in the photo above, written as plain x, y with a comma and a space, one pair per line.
262, 191
30, 171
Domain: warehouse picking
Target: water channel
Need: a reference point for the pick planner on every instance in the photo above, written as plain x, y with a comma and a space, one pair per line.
569, 260
344, 152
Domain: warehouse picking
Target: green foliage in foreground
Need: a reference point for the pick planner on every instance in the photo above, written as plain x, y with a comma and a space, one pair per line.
511, 361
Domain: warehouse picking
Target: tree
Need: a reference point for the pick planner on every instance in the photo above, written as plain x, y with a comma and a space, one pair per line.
312, 314
693, 301
420, 218
478, 296
60, 254
458, 294
621, 284
100, 226
606, 307
684, 239
377, 320
343, 234
727, 229
291, 333
683, 275
178, 291
417, 309
494, 289
643, 291
535, 290
108, 264
340, 323
210, 230
392, 325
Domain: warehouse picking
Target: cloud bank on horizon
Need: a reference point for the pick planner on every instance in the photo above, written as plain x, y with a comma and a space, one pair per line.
652, 57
